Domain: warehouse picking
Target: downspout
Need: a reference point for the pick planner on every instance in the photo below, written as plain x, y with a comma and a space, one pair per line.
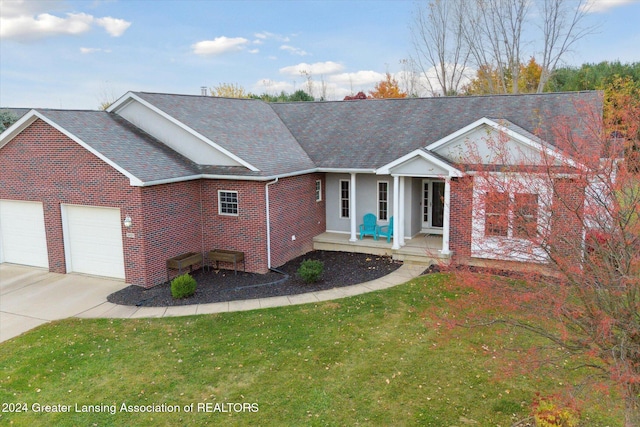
202, 223
266, 195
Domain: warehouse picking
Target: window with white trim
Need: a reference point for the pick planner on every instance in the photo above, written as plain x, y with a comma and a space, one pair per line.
525, 215
227, 202
345, 195
318, 190
511, 215
496, 222
383, 200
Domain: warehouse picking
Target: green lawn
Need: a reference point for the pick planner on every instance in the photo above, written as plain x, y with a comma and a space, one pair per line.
374, 359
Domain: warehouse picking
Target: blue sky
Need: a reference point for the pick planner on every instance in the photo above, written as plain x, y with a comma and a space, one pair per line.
77, 54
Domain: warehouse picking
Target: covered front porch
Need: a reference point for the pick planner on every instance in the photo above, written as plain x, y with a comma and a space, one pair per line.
421, 249
414, 191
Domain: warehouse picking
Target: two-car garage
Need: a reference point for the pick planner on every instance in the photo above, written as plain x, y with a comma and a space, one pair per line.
92, 237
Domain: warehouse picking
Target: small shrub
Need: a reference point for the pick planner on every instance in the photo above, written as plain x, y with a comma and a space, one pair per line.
550, 411
310, 270
183, 286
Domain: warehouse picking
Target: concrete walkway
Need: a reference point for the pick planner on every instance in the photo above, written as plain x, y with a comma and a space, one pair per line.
30, 297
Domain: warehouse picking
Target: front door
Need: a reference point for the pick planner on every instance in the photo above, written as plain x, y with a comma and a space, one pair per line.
432, 205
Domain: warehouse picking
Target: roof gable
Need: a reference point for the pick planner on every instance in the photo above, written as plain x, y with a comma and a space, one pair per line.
118, 143
247, 130
495, 142
419, 163
174, 134
33, 115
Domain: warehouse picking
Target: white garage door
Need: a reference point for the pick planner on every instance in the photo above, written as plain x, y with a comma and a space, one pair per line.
22, 235
93, 240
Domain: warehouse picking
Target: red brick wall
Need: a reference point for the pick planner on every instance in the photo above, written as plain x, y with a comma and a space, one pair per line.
170, 225
42, 164
245, 232
461, 217
294, 211
36, 166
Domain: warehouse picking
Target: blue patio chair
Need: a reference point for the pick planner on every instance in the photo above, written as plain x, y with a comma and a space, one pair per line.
386, 230
369, 228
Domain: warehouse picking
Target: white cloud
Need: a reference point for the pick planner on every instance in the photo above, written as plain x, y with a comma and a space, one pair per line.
114, 26
600, 6
254, 51
24, 20
267, 35
293, 50
219, 45
87, 50
272, 87
358, 78
328, 67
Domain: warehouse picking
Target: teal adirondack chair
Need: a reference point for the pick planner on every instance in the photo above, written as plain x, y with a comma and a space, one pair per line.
369, 228
386, 230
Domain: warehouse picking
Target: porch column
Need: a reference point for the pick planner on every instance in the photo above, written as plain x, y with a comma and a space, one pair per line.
401, 213
352, 207
447, 216
396, 212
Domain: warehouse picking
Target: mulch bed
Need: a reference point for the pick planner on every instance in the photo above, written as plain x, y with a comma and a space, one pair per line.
340, 269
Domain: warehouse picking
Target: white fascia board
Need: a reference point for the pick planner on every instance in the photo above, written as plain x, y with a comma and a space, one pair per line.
515, 135
227, 177
346, 170
452, 136
20, 125
386, 169
120, 102
32, 115
133, 97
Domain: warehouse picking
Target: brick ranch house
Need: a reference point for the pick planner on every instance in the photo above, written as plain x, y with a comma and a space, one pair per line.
116, 193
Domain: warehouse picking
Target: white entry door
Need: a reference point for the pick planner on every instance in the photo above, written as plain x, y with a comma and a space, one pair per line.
432, 205
23, 239
93, 240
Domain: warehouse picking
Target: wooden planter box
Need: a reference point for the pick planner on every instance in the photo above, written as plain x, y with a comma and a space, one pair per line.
182, 261
227, 256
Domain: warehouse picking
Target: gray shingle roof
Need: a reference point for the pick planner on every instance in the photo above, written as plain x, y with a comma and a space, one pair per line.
283, 138
248, 128
124, 144
372, 133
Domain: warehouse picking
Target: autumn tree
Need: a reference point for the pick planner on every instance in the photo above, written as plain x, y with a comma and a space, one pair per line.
568, 215
488, 80
229, 90
622, 117
359, 95
387, 88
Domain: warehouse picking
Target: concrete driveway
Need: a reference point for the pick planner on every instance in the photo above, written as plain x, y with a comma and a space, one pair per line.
31, 296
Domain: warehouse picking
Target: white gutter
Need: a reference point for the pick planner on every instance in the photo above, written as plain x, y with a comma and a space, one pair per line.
227, 177
266, 196
346, 170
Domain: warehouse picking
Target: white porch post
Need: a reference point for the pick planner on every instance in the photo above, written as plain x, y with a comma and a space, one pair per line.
396, 212
447, 217
400, 218
352, 207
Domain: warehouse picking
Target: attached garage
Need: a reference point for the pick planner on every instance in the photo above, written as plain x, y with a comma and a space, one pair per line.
23, 239
93, 240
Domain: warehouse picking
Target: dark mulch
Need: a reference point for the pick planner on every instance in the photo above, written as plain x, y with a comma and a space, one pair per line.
340, 269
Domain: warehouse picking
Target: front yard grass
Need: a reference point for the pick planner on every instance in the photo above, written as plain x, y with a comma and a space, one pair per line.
375, 359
